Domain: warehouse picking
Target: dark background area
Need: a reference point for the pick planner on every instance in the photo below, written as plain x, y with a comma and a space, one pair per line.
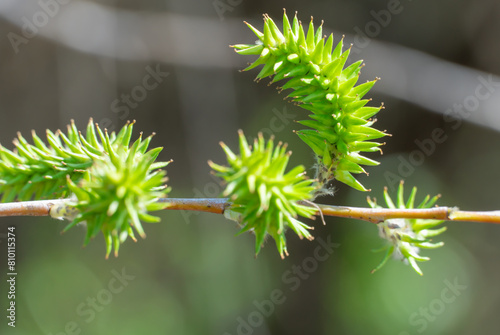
191, 275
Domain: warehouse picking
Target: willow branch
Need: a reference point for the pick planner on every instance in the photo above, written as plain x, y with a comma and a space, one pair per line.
209, 205
28, 208
219, 205
374, 215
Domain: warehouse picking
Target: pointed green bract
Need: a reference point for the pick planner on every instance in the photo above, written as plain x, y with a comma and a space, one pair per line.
320, 84
266, 199
405, 237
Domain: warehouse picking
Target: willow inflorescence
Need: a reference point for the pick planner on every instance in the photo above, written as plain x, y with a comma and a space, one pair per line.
265, 198
314, 70
405, 237
112, 183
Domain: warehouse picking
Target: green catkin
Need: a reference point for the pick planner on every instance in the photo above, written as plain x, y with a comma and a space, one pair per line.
340, 121
266, 199
38, 171
112, 184
117, 194
405, 237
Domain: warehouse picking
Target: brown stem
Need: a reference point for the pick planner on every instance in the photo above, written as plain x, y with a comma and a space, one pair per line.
27, 208
219, 205
377, 215
210, 205
489, 217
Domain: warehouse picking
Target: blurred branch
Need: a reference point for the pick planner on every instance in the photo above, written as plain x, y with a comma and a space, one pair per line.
219, 205
196, 41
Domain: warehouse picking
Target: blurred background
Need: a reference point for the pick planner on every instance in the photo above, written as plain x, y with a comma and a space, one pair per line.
167, 65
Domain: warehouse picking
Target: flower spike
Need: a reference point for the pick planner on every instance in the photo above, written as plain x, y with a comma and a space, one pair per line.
38, 170
117, 195
405, 237
112, 184
340, 122
266, 199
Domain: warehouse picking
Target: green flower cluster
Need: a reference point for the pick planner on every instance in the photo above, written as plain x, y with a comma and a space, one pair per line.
340, 121
405, 237
117, 183
264, 198
38, 170
118, 192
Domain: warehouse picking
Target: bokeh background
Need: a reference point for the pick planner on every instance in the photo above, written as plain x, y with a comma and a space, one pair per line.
63, 60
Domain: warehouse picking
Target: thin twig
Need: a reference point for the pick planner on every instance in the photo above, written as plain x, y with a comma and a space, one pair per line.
28, 208
210, 205
219, 205
376, 215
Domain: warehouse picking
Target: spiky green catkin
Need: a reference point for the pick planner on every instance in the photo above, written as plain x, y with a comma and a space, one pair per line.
340, 121
114, 184
405, 237
265, 198
117, 194
39, 170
